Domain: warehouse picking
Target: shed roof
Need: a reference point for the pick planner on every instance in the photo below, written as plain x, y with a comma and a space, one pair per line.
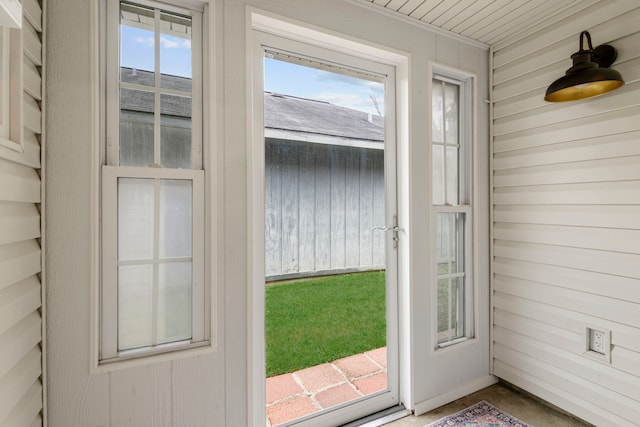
294, 114
290, 116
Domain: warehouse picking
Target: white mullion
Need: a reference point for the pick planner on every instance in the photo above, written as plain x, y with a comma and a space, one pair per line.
156, 263
156, 79
147, 88
151, 261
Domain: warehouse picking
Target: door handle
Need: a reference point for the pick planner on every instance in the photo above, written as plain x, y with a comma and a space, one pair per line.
394, 228
388, 228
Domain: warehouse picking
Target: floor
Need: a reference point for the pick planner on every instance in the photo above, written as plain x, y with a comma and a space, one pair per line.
516, 403
304, 392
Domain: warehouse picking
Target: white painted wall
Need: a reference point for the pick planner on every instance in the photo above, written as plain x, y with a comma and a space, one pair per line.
566, 206
21, 382
213, 389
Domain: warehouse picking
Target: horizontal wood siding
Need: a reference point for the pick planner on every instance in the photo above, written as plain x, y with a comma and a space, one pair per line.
320, 204
566, 221
21, 385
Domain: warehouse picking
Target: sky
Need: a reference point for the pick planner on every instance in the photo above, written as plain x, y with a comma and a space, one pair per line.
280, 76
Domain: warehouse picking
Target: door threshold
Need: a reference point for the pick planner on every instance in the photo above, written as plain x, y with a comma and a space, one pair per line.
380, 418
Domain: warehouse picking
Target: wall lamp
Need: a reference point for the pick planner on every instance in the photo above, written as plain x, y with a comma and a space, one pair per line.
589, 76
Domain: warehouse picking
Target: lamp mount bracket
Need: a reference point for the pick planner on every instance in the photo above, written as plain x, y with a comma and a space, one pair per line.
604, 55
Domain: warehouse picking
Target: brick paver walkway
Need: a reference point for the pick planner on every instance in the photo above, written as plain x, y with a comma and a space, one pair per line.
291, 396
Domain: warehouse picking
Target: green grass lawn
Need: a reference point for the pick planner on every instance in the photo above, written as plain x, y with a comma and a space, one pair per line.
316, 321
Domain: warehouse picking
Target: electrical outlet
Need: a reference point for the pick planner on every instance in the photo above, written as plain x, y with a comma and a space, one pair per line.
597, 341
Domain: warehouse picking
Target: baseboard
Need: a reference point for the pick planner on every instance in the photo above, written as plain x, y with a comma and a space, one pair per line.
452, 395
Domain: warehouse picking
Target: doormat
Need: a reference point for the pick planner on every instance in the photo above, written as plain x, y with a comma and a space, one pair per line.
481, 414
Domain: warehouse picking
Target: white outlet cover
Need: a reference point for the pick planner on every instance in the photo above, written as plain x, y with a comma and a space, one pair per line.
598, 343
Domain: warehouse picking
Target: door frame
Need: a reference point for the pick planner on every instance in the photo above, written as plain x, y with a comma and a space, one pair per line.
284, 34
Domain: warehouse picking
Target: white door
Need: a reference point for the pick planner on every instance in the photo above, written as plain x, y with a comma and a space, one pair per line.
325, 207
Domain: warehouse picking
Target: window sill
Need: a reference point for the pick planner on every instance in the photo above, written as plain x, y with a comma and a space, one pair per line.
136, 358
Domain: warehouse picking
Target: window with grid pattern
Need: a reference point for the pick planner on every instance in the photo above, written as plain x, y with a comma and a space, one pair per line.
451, 172
153, 189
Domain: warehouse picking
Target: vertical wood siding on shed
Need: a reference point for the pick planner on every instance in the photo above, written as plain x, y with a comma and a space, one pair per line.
566, 230
20, 255
320, 204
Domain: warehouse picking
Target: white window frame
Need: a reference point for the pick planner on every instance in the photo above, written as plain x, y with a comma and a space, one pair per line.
11, 88
465, 83
107, 351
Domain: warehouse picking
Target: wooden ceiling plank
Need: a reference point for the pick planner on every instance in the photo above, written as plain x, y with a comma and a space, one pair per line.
473, 7
482, 17
508, 14
410, 6
520, 19
395, 5
443, 19
424, 8
440, 9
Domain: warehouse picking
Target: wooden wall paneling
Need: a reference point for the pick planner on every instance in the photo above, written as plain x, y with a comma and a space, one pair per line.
323, 241
575, 364
604, 147
354, 223
338, 203
604, 216
31, 151
32, 44
366, 208
18, 340
603, 239
18, 302
379, 209
18, 261
618, 169
32, 117
606, 399
596, 193
623, 120
594, 305
31, 79
553, 393
613, 286
150, 387
290, 209
27, 411
33, 13
197, 385
18, 183
18, 381
18, 222
307, 210
585, 259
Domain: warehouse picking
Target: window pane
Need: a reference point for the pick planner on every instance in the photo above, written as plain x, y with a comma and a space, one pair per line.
437, 117
136, 127
175, 51
175, 131
135, 219
452, 176
174, 302
137, 44
451, 113
451, 277
438, 175
134, 306
175, 218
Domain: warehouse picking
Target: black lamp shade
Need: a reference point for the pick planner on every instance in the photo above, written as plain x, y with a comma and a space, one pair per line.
589, 76
584, 84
